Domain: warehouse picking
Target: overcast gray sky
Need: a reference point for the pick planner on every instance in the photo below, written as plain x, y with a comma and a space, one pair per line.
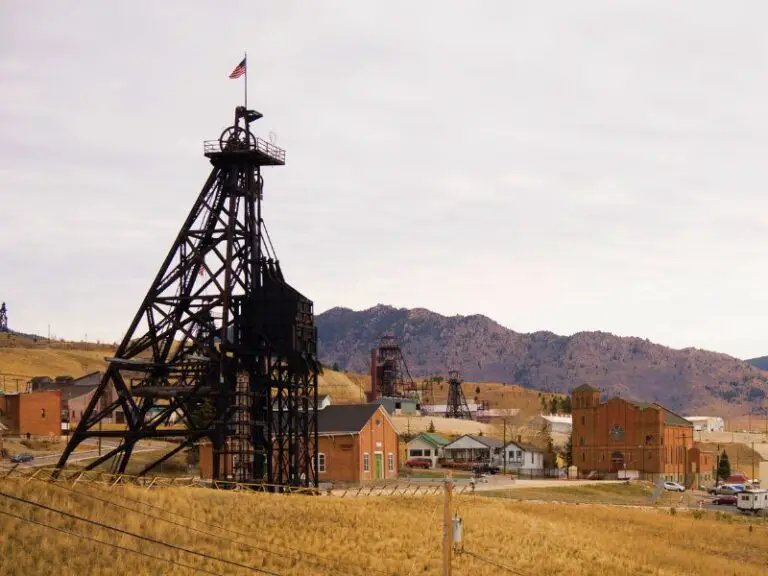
564, 165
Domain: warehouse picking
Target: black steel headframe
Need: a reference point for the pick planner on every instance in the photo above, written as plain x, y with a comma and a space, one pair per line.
220, 339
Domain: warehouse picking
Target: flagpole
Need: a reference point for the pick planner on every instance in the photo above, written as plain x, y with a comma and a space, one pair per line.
245, 59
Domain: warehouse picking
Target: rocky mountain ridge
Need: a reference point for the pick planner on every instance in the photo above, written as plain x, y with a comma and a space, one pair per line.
481, 349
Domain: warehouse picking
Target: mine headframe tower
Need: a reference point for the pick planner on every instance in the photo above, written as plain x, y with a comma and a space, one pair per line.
221, 339
390, 376
3, 318
457, 406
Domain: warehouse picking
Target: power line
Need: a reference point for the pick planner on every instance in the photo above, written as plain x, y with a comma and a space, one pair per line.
496, 564
117, 546
218, 527
185, 526
134, 535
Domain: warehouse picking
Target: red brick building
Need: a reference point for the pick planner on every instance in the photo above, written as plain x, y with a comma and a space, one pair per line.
36, 413
356, 443
623, 435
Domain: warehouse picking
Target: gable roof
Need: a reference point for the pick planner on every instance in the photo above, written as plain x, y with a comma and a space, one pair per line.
344, 418
673, 419
585, 388
484, 440
433, 439
524, 446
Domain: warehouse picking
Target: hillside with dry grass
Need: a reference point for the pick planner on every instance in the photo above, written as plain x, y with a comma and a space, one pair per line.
388, 536
685, 380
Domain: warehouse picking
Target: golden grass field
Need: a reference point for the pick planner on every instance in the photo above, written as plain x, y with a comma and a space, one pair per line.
367, 536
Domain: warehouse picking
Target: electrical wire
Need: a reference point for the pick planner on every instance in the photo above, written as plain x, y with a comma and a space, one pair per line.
219, 527
494, 563
117, 546
185, 526
432, 517
134, 535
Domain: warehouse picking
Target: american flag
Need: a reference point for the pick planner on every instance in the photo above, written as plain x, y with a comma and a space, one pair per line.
239, 70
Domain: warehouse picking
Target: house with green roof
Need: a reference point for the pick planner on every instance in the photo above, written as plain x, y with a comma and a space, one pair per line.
427, 445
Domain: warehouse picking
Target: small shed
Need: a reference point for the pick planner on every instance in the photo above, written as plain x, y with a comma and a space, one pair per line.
427, 445
398, 406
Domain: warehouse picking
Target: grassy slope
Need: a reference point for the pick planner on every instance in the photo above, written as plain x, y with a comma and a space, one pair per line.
23, 358
395, 536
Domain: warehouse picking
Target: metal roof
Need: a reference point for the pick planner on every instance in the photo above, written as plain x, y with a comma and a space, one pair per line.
436, 440
344, 418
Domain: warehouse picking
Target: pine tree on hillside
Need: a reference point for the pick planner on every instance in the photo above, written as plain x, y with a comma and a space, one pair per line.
431, 427
565, 405
553, 404
566, 452
724, 468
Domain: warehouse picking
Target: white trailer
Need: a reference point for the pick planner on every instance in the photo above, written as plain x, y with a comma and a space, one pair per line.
752, 501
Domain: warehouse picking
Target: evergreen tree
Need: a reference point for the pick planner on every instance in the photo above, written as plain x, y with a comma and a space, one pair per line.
567, 453
565, 405
553, 403
335, 367
724, 468
549, 452
431, 427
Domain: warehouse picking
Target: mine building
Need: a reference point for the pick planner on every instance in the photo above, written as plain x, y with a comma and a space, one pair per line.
76, 393
619, 436
35, 413
357, 443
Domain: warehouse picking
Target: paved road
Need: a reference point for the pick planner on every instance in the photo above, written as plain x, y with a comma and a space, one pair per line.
50, 460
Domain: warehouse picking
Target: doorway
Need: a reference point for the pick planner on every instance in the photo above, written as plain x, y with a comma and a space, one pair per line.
378, 465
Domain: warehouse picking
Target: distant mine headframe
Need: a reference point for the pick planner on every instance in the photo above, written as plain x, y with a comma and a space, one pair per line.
457, 406
3, 318
389, 371
221, 339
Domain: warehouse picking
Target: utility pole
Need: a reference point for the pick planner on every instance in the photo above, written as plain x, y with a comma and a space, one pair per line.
753, 461
447, 526
100, 438
504, 420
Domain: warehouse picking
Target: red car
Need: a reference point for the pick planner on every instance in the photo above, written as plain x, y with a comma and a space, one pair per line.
724, 500
419, 463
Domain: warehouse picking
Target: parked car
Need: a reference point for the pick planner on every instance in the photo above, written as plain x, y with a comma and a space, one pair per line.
24, 457
485, 468
729, 489
673, 486
419, 463
730, 500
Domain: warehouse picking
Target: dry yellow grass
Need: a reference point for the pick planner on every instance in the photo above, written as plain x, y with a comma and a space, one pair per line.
366, 536
446, 426
25, 363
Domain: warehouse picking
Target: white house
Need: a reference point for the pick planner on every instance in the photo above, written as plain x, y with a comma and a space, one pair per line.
559, 423
522, 456
427, 445
707, 423
470, 448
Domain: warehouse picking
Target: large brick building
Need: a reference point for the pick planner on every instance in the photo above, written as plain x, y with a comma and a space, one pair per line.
620, 434
35, 413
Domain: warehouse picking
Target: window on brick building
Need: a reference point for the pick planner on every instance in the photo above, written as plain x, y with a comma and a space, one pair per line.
320, 462
583, 420
581, 441
583, 456
366, 462
42, 413
391, 462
